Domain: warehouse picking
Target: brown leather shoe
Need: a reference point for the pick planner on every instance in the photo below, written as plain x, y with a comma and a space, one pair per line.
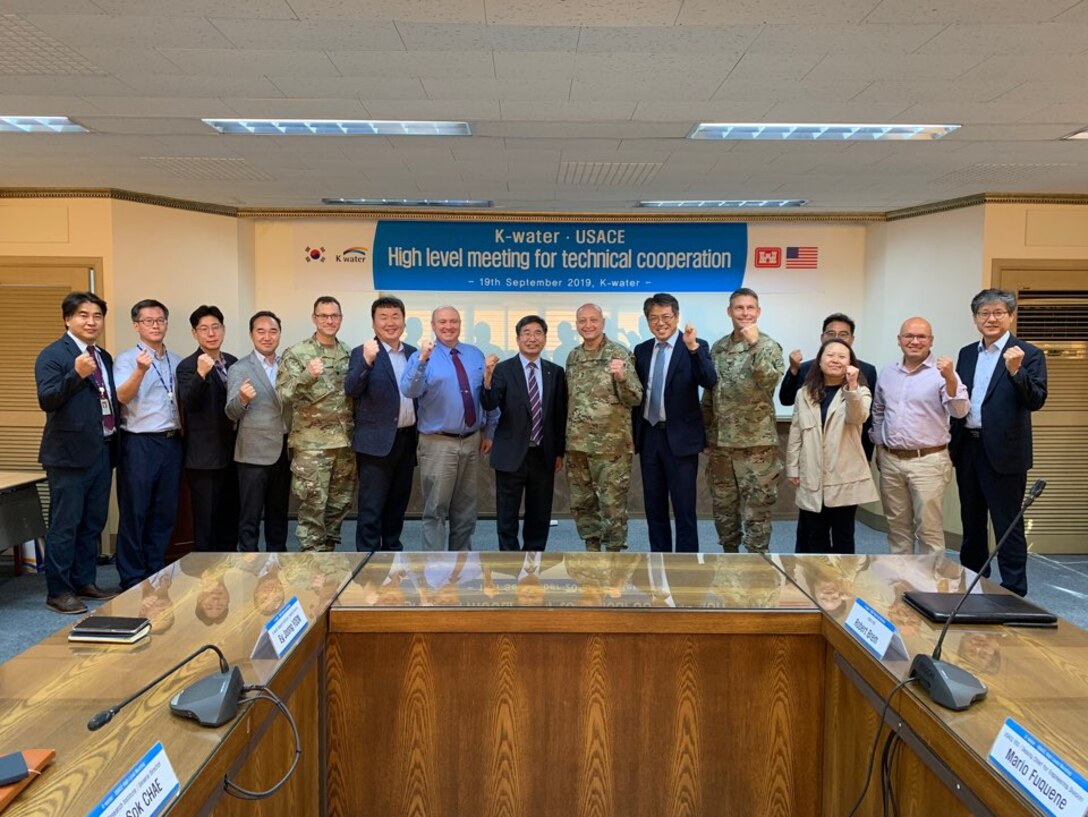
93, 591
66, 603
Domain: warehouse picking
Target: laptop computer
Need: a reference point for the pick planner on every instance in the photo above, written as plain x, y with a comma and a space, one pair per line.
980, 608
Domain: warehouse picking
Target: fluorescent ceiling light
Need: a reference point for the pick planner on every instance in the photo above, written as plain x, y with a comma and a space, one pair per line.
338, 127
410, 202
1081, 134
39, 124
726, 203
777, 131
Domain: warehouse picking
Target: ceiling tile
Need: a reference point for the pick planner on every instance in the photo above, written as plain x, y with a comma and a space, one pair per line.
339, 87
693, 112
1014, 38
899, 67
675, 39
170, 106
129, 60
440, 64
48, 105
715, 12
311, 35
129, 31
544, 89
597, 111
638, 89
425, 11
454, 37
967, 11
279, 108
585, 12
468, 110
249, 63
254, 9
842, 39
177, 85
60, 85
779, 90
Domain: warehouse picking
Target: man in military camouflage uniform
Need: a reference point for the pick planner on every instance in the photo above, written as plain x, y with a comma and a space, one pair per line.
603, 387
311, 380
742, 472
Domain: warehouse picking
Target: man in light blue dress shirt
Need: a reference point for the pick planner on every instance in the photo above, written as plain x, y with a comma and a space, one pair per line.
454, 430
151, 453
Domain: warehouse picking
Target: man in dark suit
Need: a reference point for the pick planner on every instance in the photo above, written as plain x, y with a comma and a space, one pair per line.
837, 326
992, 447
77, 393
260, 450
668, 426
531, 437
385, 435
209, 434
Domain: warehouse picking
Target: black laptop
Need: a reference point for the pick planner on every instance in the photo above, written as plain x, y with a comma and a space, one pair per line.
980, 608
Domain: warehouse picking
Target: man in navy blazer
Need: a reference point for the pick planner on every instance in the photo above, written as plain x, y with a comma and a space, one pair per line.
531, 437
76, 391
385, 435
991, 448
209, 434
668, 426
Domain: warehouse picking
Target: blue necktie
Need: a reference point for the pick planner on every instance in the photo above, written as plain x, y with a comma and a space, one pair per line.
657, 385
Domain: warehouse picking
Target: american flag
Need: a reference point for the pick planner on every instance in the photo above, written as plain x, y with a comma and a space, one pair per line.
802, 257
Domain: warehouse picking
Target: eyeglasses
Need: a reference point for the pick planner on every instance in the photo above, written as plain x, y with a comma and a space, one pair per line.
335, 316
985, 316
210, 329
653, 320
153, 321
913, 338
846, 333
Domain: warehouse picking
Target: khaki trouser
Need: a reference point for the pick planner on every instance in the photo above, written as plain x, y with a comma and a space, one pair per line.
912, 492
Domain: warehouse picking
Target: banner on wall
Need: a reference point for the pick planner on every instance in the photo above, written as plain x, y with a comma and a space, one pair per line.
542, 256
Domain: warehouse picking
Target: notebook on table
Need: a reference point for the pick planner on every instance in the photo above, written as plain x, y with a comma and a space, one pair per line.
980, 608
36, 761
110, 629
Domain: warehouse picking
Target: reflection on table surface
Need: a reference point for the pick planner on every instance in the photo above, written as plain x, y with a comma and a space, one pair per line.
546, 579
1039, 676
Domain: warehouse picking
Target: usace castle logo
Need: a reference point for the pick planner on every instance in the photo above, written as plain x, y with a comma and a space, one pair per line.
352, 255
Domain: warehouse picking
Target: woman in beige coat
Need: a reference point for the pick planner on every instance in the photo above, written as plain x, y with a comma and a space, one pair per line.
824, 458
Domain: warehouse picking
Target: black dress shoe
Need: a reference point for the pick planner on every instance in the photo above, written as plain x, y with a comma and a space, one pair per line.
93, 591
66, 603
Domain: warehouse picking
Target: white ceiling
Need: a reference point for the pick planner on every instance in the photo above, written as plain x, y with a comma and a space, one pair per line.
547, 84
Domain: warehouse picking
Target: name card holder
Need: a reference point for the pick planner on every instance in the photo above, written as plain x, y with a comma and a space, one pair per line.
144, 791
1044, 777
876, 633
281, 631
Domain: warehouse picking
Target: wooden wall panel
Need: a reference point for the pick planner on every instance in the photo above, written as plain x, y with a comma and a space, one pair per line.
448, 724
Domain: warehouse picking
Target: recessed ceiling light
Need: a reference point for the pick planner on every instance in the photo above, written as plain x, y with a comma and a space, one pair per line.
39, 124
410, 202
778, 131
1081, 134
338, 127
725, 203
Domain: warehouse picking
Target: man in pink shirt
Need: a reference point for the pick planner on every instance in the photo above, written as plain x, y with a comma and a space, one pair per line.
911, 408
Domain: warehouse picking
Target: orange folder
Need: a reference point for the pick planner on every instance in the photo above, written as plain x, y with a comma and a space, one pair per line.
36, 761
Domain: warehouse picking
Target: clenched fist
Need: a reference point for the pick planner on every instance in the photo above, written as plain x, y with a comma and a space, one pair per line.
1014, 356
143, 361
85, 365
204, 364
795, 361
617, 368
315, 367
247, 392
426, 346
691, 340
750, 333
852, 377
370, 351
490, 363
945, 367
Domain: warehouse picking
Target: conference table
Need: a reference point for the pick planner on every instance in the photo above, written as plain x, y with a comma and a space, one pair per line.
554, 683
20, 512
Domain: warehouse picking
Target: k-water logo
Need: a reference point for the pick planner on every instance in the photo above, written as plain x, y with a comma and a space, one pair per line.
353, 255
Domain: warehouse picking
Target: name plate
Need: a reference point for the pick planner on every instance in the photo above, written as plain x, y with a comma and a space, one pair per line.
1043, 776
281, 631
876, 633
144, 791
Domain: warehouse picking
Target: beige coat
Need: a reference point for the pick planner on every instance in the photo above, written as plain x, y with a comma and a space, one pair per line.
828, 458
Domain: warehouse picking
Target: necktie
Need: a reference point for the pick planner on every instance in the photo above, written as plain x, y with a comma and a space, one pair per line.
536, 434
657, 387
466, 391
108, 420
221, 370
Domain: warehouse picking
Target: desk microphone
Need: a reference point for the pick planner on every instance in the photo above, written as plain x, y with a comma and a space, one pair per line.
211, 701
947, 684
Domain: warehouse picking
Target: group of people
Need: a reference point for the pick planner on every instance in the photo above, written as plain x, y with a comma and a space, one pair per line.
336, 424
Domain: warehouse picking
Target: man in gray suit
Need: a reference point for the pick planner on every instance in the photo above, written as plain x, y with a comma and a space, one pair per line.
264, 471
